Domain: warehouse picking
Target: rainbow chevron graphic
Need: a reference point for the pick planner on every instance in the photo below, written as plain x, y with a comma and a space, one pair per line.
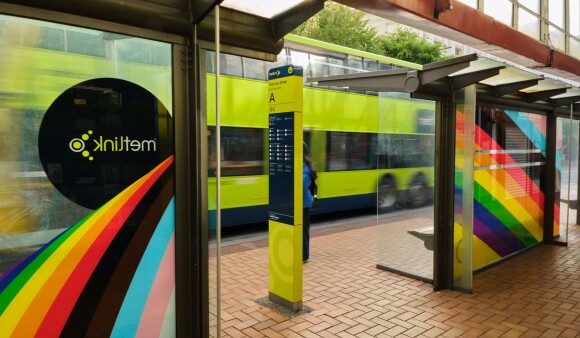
508, 201
111, 274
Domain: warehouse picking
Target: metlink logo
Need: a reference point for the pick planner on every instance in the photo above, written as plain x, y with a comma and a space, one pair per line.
115, 144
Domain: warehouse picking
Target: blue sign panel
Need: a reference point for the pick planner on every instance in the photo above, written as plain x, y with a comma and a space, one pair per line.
281, 156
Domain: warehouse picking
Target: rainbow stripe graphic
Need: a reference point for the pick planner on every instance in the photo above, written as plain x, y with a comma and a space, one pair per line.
508, 201
111, 274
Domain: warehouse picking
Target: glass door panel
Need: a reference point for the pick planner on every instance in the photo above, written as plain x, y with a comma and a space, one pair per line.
405, 152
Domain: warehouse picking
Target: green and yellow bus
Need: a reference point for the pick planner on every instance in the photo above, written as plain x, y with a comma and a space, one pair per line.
361, 142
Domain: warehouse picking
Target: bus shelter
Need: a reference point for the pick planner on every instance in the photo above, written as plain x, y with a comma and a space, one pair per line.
498, 160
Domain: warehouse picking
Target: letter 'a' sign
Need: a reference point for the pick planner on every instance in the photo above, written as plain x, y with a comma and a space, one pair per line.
285, 89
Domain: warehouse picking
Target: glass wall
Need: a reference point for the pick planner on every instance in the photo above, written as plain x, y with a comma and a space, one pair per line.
404, 151
463, 224
566, 194
86, 172
555, 22
508, 183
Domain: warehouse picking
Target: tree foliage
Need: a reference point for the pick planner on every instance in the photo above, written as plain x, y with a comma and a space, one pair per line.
406, 45
342, 26
347, 27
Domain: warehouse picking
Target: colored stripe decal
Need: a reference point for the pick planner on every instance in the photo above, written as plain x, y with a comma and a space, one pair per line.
58, 271
134, 303
118, 273
156, 308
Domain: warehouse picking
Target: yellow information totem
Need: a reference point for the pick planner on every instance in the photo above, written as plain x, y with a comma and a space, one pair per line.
285, 186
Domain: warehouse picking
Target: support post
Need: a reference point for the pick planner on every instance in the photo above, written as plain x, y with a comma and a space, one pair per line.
550, 197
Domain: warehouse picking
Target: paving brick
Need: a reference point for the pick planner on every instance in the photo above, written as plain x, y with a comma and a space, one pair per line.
536, 294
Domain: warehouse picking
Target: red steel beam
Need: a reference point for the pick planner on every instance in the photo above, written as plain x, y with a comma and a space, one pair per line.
459, 22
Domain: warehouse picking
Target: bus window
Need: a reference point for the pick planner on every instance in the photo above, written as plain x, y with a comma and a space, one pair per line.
52, 38
350, 151
210, 62
371, 65
241, 151
336, 66
336, 151
426, 121
255, 69
318, 65
355, 64
231, 65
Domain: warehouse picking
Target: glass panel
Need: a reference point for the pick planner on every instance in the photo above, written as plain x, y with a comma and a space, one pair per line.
528, 24
354, 64
565, 210
557, 38
318, 65
371, 65
404, 152
501, 10
231, 65
336, 66
463, 230
573, 15
556, 12
351, 151
471, 3
533, 5
508, 183
76, 87
575, 48
255, 69
299, 58
241, 153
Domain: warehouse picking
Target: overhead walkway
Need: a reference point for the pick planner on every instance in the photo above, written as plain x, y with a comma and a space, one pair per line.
531, 295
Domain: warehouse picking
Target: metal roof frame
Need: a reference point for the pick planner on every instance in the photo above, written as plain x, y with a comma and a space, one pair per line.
438, 80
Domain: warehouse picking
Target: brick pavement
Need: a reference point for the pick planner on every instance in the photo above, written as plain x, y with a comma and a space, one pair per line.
536, 294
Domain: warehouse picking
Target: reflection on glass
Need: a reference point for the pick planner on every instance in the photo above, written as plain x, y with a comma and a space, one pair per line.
32, 77
463, 225
528, 24
39, 61
533, 5
573, 15
501, 10
566, 194
471, 3
404, 152
214, 266
318, 65
556, 12
508, 183
575, 48
557, 38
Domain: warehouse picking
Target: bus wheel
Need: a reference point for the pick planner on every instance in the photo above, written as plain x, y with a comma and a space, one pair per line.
418, 192
387, 194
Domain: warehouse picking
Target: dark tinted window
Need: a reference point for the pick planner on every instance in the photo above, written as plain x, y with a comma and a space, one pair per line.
242, 151
405, 150
85, 43
351, 151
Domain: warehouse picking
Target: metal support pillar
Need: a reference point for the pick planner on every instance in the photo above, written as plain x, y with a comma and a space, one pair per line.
444, 194
550, 176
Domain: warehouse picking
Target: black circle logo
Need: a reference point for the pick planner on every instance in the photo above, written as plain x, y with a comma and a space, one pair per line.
100, 136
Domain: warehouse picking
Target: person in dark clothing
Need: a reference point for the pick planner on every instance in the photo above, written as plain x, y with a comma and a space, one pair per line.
308, 180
